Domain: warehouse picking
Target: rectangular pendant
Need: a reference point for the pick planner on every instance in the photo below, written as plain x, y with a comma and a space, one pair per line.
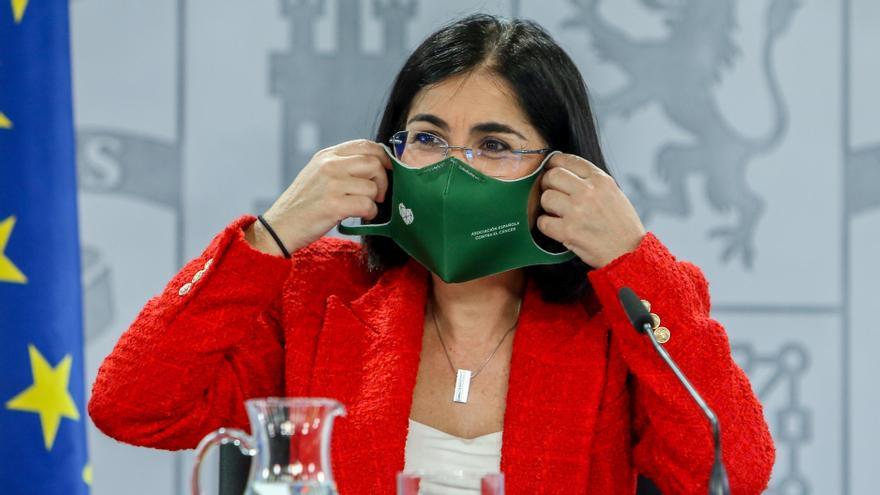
462, 386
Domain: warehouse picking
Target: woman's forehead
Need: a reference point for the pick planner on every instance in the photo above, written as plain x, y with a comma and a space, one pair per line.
465, 99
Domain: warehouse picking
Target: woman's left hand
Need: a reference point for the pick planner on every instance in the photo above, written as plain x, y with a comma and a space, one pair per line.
586, 211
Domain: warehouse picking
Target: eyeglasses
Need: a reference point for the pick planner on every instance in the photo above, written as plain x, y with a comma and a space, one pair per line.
491, 156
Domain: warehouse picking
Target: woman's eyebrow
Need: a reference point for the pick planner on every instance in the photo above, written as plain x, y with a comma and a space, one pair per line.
483, 127
487, 127
431, 119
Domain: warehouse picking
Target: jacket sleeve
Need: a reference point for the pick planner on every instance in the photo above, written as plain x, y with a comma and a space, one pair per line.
196, 351
672, 438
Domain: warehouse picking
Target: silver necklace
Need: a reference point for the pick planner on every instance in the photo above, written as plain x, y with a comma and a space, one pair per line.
464, 377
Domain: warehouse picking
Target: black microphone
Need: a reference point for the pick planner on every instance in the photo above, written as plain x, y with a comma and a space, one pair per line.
641, 319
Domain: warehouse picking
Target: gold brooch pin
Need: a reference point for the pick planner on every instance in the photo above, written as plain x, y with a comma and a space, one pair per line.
660, 333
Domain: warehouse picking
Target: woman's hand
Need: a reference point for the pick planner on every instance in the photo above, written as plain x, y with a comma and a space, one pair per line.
586, 211
346, 180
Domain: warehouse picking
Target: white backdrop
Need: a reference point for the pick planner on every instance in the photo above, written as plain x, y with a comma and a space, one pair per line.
753, 120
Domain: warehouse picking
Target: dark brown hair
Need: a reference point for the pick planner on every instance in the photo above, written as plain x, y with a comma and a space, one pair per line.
551, 92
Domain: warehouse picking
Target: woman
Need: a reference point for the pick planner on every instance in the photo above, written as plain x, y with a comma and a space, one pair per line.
564, 396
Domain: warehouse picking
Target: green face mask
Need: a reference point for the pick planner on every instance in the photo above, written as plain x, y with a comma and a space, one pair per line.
460, 223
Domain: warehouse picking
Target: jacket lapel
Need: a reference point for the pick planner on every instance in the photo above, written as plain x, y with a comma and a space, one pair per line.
557, 374
368, 358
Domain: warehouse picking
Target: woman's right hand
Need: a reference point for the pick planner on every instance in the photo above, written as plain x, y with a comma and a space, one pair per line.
346, 180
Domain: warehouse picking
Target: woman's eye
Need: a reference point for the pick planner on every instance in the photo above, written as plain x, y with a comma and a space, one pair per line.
494, 146
427, 139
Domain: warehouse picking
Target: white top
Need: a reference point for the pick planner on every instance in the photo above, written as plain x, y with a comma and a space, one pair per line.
429, 449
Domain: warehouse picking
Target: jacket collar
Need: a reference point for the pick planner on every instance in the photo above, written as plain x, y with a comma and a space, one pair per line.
368, 354
395, 304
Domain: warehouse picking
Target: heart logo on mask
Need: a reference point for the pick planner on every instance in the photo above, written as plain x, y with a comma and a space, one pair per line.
405, 213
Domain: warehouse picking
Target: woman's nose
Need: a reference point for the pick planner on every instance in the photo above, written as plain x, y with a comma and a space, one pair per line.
466, 153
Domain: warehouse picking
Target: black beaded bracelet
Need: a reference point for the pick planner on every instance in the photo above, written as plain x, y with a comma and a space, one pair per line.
274, 235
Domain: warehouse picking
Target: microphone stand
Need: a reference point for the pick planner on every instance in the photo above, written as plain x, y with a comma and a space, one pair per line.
641, 320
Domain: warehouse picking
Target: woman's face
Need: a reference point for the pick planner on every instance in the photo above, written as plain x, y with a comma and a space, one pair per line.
479, 110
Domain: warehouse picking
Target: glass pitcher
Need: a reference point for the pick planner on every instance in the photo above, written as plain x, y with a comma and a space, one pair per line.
290, 446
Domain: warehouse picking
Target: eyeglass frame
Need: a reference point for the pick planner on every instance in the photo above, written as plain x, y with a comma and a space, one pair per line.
467, 150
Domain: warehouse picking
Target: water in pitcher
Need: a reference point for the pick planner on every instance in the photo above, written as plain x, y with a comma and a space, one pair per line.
290, 488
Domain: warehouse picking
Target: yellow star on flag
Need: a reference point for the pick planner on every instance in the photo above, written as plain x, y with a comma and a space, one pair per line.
48, 396
8, 271
87, 474
18, 8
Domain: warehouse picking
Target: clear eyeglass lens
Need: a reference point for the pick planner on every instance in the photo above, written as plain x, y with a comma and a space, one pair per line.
419, 149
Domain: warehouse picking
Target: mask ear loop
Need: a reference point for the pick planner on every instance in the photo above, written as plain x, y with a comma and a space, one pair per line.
383, 229
534, 172
544, 162
544, 255
547, 159
365, 229
394, 159
388, 151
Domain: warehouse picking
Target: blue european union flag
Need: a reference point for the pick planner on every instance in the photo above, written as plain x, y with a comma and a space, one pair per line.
42, 418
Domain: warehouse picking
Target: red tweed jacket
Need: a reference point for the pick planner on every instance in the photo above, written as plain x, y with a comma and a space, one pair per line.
589, 405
